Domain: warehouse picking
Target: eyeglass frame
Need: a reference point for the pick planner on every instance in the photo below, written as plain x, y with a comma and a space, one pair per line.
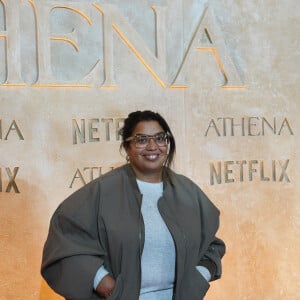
149, 137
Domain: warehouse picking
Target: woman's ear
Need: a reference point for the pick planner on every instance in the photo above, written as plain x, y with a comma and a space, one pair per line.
124, 150
127, 157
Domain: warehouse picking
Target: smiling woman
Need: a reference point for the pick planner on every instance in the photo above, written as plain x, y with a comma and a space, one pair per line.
140, 231
147, 146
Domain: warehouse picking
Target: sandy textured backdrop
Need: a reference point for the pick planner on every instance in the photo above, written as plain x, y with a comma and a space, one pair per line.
42, 162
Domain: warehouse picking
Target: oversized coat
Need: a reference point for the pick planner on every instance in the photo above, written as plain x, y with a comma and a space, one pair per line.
102, 224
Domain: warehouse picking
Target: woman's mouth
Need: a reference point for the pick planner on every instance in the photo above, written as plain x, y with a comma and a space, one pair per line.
151, 157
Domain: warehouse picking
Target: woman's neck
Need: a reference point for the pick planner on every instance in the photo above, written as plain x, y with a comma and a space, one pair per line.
148, 177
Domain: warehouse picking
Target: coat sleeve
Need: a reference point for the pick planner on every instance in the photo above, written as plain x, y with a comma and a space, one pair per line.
73, 251
212, 248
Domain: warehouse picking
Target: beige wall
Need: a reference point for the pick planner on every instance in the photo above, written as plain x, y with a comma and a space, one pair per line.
226, 79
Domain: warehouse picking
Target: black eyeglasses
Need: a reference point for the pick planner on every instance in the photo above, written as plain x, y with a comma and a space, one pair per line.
141, 140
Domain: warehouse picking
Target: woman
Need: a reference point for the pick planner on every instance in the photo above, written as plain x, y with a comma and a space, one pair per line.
140, 231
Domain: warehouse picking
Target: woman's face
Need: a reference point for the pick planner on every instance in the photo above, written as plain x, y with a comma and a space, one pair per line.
147, 162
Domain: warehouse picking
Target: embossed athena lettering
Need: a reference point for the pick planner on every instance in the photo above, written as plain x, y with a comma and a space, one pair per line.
11, 174
230, 171
88, 174
207, 37
248, 126
12, 130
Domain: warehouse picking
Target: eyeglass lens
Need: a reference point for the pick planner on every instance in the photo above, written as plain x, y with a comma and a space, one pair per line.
142, 140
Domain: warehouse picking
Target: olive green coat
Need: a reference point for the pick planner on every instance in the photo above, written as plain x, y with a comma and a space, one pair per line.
102, 224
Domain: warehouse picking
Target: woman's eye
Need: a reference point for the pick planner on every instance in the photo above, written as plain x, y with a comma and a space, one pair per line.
160, 138
142, 139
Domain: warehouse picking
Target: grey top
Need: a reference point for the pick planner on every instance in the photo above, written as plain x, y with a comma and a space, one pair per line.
158, 257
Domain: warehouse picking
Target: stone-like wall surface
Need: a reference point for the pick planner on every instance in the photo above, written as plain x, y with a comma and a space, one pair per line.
225, 75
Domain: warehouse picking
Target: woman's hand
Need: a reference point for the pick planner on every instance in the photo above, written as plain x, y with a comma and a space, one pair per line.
106, 286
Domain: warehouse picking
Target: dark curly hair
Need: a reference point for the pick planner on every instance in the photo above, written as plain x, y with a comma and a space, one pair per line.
138, 116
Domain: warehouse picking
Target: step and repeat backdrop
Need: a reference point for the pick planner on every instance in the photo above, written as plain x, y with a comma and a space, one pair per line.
224, 74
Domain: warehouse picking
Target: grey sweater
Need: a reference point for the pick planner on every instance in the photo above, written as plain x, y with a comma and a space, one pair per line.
158, 257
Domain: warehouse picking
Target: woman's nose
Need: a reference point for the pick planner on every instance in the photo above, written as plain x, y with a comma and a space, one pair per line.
151, 144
